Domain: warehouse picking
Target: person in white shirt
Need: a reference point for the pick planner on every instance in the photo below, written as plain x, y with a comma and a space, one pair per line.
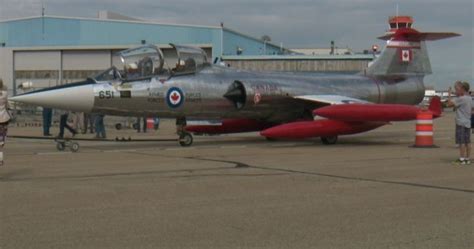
4, 118
462, 104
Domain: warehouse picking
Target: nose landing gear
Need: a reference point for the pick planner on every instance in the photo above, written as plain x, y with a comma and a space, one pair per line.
185, 138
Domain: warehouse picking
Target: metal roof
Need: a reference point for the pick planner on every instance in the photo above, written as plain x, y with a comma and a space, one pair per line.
302, 57
110, 20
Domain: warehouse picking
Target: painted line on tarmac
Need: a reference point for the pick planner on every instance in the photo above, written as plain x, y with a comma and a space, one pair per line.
53, 153
350, 178
284, 145
173, 149
233, 146
118, 151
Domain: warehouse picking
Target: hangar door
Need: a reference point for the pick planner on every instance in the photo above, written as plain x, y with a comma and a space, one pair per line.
81, 64
40, 67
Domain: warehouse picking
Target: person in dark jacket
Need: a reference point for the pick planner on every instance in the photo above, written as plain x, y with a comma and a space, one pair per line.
100, 126
63, 124
89, 121
47, 120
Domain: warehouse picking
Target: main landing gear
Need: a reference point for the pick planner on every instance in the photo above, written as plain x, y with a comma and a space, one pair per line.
329, 140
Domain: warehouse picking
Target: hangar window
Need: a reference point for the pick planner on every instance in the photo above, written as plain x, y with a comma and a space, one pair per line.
142, 62
190, 59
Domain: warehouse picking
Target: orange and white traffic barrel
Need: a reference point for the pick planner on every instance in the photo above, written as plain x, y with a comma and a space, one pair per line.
424, 130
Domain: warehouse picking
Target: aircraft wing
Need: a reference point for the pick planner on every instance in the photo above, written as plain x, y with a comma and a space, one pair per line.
331, 99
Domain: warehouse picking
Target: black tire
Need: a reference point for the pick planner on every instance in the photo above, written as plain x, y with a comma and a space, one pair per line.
118, 126
60, 146
329, 140
186, 139
270, 139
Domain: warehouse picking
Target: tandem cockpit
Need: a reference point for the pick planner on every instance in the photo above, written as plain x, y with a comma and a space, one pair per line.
149, 61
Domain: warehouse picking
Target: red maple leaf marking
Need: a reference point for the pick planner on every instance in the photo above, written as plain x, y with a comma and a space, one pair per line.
405, 55
175, 97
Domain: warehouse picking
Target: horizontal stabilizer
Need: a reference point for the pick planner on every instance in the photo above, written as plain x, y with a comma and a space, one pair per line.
435, 106
408, 34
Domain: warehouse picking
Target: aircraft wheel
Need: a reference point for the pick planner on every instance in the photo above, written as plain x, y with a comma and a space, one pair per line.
270, 139
186, 139
74, 147
60, 146
329, 140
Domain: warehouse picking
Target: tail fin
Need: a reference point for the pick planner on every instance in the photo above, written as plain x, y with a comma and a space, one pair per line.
435, 106
405, 54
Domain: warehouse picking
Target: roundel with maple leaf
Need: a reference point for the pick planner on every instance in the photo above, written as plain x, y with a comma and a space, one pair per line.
174, 97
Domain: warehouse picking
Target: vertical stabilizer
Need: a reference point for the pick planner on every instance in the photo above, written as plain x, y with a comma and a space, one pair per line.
405, 53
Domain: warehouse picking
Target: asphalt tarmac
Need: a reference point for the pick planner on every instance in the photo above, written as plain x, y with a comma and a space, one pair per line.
238, 191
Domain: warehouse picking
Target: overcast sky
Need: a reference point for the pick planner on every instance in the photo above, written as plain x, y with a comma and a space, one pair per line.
298, 23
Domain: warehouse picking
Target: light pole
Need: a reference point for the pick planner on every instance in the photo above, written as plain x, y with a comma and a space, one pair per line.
265, 47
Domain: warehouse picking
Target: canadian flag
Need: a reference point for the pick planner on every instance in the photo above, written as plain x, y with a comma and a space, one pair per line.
406, 55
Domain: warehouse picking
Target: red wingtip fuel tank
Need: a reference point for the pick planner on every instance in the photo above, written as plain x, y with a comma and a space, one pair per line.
369, 112
230, 126
319, 128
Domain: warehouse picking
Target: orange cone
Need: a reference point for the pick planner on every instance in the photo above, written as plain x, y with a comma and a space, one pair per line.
424, 130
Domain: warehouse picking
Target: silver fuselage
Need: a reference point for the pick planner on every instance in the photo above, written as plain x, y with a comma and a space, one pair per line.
269, 95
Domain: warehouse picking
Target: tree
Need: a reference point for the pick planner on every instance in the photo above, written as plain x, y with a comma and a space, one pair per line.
266, 38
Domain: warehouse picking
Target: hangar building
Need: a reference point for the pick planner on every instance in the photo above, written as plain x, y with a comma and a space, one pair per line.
52, 50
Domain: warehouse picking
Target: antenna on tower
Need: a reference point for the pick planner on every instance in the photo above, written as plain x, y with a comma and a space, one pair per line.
42, 19
396, 14
42, 9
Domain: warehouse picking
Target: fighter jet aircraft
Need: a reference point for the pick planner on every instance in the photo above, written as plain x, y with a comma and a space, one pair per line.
280, 105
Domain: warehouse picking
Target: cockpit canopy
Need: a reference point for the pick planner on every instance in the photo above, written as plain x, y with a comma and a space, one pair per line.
148, 61
142, 62
190, 59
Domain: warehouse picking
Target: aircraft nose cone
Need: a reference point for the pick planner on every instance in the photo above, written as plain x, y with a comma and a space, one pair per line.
73, 98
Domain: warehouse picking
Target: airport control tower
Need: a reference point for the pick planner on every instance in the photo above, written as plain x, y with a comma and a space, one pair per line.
397, 22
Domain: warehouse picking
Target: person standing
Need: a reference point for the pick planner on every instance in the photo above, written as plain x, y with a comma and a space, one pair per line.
4, 118
472, 113
139, 119
156, 123
47, 119
77, 121
63, 124
100, 127
462, 104
89, 121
